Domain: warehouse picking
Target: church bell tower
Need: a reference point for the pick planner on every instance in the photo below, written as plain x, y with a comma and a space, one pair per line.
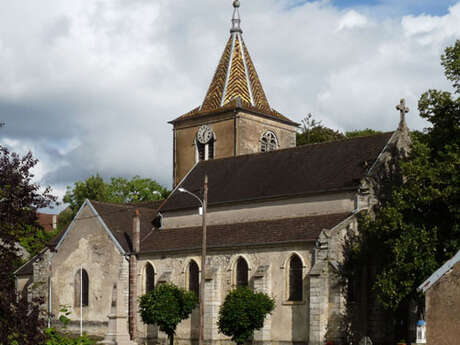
235, 117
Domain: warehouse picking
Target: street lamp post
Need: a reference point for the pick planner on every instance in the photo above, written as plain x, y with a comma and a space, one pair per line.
204, 204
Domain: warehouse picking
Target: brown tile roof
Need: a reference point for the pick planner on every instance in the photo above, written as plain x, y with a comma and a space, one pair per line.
235, 85
235, 104
243, 234
46, 220
284, 173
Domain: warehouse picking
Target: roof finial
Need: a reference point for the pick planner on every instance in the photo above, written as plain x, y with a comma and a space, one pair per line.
236, 18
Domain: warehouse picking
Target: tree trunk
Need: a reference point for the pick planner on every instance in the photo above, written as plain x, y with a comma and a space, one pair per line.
171, 339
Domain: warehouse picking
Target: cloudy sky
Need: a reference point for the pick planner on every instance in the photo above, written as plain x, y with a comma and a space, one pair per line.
89, 85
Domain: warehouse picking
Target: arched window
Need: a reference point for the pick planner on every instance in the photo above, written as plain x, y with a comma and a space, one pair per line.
81, 288
149, 277
295, 279
204, 141
242, 272
194, 277
268, 142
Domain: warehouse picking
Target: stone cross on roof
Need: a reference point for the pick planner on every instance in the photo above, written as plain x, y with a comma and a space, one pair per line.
403, 110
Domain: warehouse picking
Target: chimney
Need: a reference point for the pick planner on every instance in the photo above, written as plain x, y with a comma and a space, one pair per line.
136, 232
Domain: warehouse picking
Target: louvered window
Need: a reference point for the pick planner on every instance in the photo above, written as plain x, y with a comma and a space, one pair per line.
295, 279
268, 142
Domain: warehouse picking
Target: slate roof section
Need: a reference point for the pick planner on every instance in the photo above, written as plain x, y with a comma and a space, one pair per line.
119, 220
290, 230
303, 170
27, 269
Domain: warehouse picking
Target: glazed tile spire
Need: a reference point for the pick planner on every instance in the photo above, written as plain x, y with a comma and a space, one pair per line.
235, 76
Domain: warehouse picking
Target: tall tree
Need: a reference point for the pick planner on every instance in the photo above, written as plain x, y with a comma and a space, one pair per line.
20, 198
118, 190
417, 228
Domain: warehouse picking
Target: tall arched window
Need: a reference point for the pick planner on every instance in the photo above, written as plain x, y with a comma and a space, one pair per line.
242, 272
149, 277
295, 279
81, 288
204, 141
194, 277
268, 142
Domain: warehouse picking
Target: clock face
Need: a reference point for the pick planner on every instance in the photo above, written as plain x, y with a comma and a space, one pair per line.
204, 134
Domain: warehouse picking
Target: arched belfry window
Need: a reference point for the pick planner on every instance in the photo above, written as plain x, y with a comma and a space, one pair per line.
204, 141
149, 278
194, 277
81, 288
268, 142
242, 272
295, 279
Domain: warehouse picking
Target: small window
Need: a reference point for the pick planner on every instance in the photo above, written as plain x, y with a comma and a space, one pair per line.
149, 278
268, 142
295, 279
193, 277
81, 287
242, 272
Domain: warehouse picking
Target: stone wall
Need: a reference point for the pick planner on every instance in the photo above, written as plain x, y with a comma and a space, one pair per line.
88, 245
443, 309
268, 210
236, 134
268, 272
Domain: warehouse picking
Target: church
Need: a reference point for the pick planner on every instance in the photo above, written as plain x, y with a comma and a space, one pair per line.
277, 217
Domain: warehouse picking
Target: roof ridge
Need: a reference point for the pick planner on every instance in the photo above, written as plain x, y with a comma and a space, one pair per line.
124, 205
347, 214
295, 148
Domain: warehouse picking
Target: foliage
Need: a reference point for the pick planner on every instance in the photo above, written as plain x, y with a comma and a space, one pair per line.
53, 337
166, 306
313, 132
243, 312
361, 133
37, 239
20, 322
118, 190
417, 228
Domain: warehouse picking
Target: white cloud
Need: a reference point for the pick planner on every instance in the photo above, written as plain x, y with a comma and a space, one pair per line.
351, 19
90, 85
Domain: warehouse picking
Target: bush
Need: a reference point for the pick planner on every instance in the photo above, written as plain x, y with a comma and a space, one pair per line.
243, 312
166, 306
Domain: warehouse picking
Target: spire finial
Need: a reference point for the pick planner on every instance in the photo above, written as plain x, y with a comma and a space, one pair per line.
403, 110
236, 18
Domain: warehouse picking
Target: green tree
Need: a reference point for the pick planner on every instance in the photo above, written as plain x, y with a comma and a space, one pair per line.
416, 228
313, 131
243, 312
20, 197
118, 190
361, 133
166, 306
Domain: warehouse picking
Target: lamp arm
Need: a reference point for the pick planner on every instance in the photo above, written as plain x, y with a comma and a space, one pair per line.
196, 197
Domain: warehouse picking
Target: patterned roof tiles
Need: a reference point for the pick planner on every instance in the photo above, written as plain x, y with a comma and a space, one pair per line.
235, 84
